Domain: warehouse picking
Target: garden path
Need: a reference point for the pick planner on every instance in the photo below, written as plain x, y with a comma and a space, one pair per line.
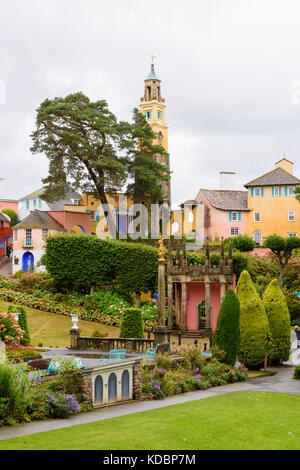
294, 359
281, 382
5, 266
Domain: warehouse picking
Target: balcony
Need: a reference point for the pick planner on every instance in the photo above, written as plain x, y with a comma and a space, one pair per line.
28, 243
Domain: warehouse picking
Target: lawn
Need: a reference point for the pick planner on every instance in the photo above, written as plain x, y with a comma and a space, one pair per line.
238, 420
53, 330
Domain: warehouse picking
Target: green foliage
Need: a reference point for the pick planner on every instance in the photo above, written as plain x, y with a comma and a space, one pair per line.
25, 341
293, 303
239, 260
243, 243
145, 170
279, 322
262, 271
132, 324
226, 335
12, 214
297, 193
10, 330
254, 325
283, 248
88, 260
297, 372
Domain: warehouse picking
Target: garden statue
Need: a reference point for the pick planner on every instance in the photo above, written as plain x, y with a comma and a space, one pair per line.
161, 249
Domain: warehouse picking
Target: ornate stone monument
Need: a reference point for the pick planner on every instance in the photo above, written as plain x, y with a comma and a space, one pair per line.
162, 333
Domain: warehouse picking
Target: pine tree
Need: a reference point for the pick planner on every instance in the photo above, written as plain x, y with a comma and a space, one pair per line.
279, 320
254, 326
226, 335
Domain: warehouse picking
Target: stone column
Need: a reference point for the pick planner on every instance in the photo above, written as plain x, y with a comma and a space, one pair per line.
184, 297
207, 305
161, 334
170, 304
74, 333
222, 290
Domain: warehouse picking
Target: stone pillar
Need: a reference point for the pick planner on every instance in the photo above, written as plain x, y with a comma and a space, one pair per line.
222, 290
137, 381
74, 333
207, 305
184, 297
161, 334
170, 304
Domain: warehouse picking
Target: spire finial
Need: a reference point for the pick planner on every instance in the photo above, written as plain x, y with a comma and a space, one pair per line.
152, 59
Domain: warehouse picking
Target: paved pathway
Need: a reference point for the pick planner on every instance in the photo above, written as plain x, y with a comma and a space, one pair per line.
6, 266
281, 382
294, 359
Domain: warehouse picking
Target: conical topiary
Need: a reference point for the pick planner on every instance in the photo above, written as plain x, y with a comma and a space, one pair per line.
132, 325
254, 326
279, 320
227, 332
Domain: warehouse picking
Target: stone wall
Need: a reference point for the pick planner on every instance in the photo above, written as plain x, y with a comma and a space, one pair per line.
137, 381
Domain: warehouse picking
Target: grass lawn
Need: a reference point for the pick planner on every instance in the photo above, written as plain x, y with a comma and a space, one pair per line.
53, 330
238, 420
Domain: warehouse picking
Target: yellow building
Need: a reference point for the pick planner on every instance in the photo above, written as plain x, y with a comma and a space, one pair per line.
274, 208
153, 107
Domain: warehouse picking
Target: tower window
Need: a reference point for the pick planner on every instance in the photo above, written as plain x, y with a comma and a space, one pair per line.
148, 114
148, 93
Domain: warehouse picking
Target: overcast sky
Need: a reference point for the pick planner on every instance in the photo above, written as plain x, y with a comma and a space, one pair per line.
230, 72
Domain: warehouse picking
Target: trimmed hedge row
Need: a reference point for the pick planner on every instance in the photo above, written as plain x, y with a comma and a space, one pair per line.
88, 260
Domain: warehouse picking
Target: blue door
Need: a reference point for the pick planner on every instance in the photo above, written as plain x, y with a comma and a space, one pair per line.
98, 390
125, 385
27, 261
112, 387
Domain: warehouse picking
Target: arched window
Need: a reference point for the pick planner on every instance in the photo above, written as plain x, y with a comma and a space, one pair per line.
125, 385
98, 390
112, 387
257, 237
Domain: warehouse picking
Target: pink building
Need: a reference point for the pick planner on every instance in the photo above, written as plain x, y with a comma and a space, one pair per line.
9, 204
225, 212
30, 234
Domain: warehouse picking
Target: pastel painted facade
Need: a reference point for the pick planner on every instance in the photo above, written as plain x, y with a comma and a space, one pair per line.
9, 204
30, 234
274, 208
5, 234
224, 213
34, 201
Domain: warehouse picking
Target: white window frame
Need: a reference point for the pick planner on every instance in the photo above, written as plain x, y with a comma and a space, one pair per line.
254, 191
292, 234
234, 231
234, 216
93, 218
254, 214
293, 190
28, 234
257, 232
293, 217
276, 191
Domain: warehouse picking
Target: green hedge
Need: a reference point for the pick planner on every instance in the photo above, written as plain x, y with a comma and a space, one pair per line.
86, 260
132, 324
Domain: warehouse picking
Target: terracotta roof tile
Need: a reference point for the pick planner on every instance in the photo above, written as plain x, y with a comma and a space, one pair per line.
277, 177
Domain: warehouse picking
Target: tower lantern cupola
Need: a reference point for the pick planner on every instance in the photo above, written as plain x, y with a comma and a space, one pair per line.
153, 107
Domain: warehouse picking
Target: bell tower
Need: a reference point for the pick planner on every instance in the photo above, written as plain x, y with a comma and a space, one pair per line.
153, 107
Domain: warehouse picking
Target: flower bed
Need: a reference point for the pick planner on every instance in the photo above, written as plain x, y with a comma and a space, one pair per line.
167, 377
18, 353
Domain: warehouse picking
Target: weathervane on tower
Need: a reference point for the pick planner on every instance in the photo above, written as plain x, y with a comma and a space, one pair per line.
152, 59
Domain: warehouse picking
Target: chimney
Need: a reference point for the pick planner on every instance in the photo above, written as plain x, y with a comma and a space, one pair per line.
285, 164
227, 180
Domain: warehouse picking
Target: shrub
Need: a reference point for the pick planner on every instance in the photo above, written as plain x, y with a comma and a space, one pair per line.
132, 324
254, 325
293, 303
243, 243
10, 330
25, 341
17, 353
279, 322
62, 405
227, 331
297, 372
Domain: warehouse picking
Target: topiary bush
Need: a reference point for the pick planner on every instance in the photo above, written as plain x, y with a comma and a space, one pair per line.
279, 321
254, 326
227, 332
243, 243
25, 341
132, 323
297, 372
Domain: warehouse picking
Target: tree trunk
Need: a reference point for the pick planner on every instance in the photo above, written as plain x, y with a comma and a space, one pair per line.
281, 276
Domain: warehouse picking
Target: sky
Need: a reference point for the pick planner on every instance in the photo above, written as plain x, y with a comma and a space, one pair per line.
230, 73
